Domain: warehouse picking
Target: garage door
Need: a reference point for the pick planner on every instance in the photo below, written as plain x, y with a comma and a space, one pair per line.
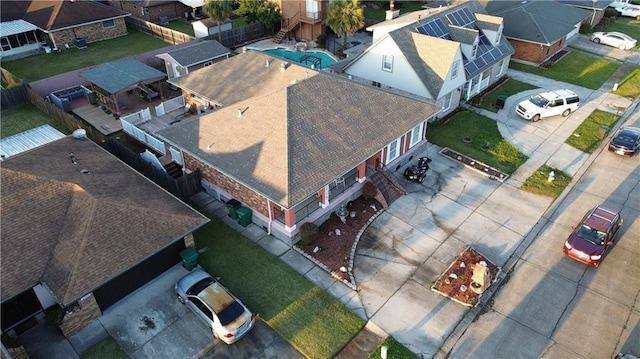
119, 287
19, 308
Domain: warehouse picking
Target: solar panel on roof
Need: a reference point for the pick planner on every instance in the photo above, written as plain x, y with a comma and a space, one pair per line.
462, 17
435, 28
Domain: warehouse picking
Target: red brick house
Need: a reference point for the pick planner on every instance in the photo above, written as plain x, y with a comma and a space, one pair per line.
155, 10
537, 29
290, 142
58, 24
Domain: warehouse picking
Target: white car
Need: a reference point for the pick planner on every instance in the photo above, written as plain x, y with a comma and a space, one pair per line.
615, 39
225, 314
629, 11
547, 104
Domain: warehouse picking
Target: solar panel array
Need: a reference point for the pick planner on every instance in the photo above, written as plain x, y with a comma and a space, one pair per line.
486, 54
462, 17
435, 28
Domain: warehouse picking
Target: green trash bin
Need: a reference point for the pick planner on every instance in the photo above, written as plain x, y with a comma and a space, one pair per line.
232, 207
189, 258
244, 216
501, 101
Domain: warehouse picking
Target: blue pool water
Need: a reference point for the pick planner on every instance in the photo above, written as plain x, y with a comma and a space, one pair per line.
319, 59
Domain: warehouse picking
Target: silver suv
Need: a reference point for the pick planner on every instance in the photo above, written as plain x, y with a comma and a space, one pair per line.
547, 104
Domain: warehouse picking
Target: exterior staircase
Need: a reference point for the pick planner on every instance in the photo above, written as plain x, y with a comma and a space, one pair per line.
287, 25
390, 188
173, 169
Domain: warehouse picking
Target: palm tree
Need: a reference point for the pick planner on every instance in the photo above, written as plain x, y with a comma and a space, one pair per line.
218, 10
345, 17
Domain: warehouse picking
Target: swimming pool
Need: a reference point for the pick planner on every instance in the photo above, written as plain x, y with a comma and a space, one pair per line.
314, 59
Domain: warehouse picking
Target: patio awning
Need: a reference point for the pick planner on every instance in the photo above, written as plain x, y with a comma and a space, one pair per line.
193, 3
8, 28
121, 75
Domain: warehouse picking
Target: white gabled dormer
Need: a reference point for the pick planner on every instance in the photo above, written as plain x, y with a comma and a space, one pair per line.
468, 39
491, 27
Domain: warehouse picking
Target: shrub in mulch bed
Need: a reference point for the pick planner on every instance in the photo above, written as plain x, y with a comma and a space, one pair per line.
455, 282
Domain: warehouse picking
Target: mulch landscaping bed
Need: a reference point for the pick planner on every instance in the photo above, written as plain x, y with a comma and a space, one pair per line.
335, 251
455, 282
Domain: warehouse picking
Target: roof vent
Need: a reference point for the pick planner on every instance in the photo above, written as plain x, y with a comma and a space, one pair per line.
267, 62
72, 157
283, 67
79, 134
84, 171
239, 112
244, 49
306, 74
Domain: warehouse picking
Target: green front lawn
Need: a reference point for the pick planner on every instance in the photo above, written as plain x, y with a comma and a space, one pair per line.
629, 86
575, 68
501, 155
539, 182
305, 315
507, 88
106, 349
41, 66
588, 136
21, 118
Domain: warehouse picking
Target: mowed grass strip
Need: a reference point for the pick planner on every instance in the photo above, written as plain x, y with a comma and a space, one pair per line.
106, 349
315, 323
539, 182
629, 86
482, 130
25, 117
395, 350
38, 67
575, 68
590, 134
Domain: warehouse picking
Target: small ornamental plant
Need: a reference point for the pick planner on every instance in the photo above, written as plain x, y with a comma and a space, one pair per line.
369, 190
308, 232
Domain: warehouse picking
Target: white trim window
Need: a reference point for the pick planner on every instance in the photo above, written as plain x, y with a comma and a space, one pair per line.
387, 63
393, 150
446, 101
454, 69
499, 67
416, 135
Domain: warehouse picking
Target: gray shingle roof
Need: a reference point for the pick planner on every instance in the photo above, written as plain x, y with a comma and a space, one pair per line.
119, 75
75, 231
199, 53
588, 4
296, 133
538, 21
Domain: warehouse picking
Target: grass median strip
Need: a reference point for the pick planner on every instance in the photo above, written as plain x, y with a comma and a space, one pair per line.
311, 320
477, 136
592, 131
540, 183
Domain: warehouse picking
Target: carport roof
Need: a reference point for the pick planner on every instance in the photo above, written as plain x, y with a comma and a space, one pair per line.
119, 75
74, 230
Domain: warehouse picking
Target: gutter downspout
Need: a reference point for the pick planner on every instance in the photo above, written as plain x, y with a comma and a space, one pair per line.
270, 218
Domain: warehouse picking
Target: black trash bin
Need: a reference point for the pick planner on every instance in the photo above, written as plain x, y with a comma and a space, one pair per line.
244, 216
81, 42
232, 207
501, 101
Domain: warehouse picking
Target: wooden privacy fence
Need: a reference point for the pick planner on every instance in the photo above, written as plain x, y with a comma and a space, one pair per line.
184, 187
14, 96
161, 32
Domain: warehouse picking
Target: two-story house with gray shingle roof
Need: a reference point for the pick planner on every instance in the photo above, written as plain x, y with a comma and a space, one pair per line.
538, 29
181, 61
446, 54
290, 142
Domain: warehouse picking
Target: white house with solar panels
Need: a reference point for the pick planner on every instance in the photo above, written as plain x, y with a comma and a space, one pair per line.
448, 54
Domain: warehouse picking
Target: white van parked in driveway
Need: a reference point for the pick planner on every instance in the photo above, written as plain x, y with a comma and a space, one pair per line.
547, 104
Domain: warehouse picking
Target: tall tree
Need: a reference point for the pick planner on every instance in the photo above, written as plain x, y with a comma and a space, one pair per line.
218, 10
345, 17
269, 15
248, 9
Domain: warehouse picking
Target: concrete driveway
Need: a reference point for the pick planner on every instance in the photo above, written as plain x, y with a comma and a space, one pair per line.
151, 323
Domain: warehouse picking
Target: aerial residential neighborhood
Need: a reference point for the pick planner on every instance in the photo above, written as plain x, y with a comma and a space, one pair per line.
320, 179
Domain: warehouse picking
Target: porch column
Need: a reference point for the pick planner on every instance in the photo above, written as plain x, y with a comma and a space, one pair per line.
323, 193
289, 220
360, 175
